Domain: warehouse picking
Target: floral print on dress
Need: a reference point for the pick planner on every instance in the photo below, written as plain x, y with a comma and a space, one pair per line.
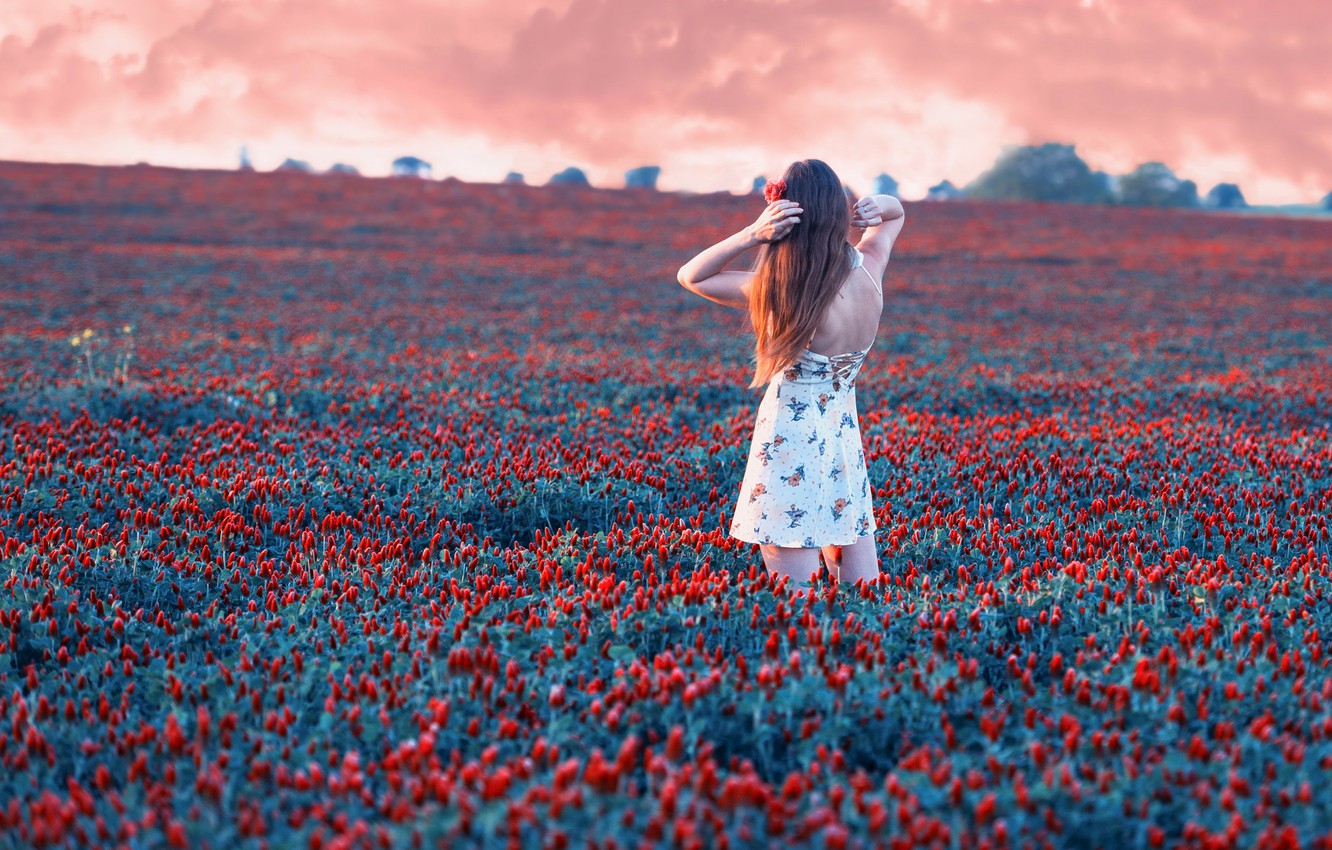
838, 507
765, 453
806, 484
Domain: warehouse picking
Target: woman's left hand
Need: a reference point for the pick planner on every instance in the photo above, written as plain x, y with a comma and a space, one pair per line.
777, 221
866, 213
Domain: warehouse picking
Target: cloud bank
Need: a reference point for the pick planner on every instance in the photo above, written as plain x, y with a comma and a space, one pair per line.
715, 91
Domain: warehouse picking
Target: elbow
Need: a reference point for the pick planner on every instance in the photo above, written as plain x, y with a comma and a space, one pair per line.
684, 279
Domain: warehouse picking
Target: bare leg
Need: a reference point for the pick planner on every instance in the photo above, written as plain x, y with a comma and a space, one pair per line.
799, 565
832, 556
860, 560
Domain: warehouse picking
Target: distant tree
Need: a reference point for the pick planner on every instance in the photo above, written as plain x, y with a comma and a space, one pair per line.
1108, 184
756, 188
245, 164
1226, 196
514, 177
1153, 184
570, 176
885, 185
411, 166
299, 165
343, 168
944, 191
643, 177
1327, 202
1048, 172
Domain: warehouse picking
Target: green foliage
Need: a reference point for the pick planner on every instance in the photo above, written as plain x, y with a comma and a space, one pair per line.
884, 184
1226, 196
1048, 172
1153, 184
571, 176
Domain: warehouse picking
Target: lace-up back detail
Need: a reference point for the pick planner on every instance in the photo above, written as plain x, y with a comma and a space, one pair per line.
846, 367
838, 371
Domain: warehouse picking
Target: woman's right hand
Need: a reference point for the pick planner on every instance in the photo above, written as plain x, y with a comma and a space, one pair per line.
776, 222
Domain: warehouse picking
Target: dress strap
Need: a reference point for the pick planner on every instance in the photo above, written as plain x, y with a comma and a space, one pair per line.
860, 263
877, 286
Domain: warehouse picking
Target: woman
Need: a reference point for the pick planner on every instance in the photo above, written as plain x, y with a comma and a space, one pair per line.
815, 301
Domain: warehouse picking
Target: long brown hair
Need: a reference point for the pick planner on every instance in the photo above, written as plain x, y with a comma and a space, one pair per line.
796, 278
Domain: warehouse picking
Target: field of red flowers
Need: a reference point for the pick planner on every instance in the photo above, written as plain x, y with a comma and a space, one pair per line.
344, 512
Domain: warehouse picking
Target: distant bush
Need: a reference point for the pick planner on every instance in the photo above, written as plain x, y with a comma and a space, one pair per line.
1153, 184
885, 185
643, 177
1048, 172
1327, 202
943, 191
343, 168
299, 165
1226, 196
756, 187
570, 176
514, 177
411, 166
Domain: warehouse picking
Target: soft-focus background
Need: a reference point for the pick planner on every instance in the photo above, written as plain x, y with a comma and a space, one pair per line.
712, 92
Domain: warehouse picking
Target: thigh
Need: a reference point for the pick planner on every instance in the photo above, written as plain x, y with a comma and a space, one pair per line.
860, 560
799, 565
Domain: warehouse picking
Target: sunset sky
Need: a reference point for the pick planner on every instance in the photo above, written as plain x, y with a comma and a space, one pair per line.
714, 91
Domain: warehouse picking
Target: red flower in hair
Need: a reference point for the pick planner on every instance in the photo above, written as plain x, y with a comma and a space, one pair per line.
774, 191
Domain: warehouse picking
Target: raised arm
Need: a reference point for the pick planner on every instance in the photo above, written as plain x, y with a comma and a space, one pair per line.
882, 218
704, 275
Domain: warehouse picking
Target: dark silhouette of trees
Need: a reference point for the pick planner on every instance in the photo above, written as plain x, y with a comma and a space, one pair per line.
1153, 184
643, 177
884, 184
297, 165
1226, 196
1048, 172
570, 176
943, 191
411, 166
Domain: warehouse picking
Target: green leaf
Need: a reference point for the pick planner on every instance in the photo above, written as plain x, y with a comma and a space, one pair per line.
621, 652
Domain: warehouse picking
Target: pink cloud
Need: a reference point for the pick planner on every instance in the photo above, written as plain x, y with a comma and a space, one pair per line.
1239, 90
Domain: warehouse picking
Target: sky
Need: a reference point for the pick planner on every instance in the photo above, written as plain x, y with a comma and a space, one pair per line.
714, 91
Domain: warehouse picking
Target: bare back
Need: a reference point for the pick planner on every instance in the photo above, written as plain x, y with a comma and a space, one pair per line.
852, 319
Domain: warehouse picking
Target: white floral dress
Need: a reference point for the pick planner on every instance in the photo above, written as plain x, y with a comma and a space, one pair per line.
806, 484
